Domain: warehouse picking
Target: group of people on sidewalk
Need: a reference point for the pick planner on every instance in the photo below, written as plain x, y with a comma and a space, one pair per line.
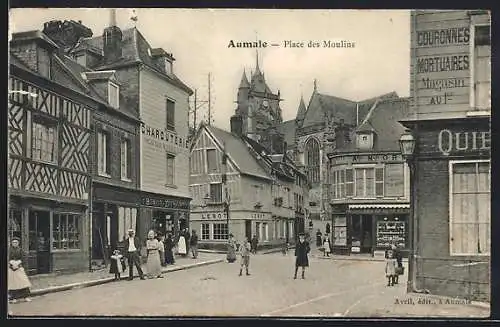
159, 253
244, 249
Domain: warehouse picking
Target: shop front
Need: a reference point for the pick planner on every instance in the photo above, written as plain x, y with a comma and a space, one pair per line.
114, 211
54, 235
453, 221
163, 214
369, 229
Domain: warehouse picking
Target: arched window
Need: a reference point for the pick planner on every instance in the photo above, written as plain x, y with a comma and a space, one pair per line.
312, 160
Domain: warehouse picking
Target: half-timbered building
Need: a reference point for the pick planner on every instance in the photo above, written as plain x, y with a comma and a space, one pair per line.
49, 157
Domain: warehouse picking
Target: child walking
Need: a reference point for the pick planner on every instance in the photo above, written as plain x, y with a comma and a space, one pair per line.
117, 264
284, 246
390, 268
245, 255
326, 246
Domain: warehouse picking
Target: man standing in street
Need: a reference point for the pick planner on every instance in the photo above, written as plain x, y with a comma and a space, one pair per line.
187, 237
254, 244
193, 243
301, 251
245, 255
133, 250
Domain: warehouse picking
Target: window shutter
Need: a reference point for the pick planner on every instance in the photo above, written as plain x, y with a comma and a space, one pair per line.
107, 141
129, 158
349, 182
379, 181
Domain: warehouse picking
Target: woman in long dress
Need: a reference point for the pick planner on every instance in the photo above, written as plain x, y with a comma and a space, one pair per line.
18, 283
231, 249
153, 264
169, 254
181, 244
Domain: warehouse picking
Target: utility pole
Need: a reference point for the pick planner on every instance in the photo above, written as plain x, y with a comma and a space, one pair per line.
195, 110
209, 104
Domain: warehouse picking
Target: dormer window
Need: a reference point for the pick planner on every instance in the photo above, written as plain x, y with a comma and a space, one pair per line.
113, 95
365, 141
168, 66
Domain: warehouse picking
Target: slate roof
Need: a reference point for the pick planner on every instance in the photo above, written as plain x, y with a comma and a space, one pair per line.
383, 120
68, 73
134, 50
288, 128
340, 108
239, 152
301, 112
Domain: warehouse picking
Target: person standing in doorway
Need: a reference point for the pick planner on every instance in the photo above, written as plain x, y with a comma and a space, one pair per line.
245, 255
18, 284
255, 243
193, 243
302, 249
133, 248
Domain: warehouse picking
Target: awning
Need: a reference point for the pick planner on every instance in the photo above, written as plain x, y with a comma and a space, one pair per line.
379, 206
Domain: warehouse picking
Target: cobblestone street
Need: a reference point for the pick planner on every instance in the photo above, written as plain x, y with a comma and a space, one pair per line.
333, 288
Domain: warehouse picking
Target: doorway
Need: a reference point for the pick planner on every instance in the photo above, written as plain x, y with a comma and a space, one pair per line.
361, 233
248, 229
39, 241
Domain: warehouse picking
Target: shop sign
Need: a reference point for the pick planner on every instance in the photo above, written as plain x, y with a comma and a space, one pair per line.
258, 216
161, 137
362, 158
441, 65
449, 142
165, 203
214, 215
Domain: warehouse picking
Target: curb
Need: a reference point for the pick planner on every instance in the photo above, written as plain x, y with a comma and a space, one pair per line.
277, 250
351, 258
101, 281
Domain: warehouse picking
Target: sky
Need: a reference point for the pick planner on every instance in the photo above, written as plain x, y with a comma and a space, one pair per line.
378, 63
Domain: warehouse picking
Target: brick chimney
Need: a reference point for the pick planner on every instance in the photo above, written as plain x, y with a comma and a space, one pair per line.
237, 125
112, 40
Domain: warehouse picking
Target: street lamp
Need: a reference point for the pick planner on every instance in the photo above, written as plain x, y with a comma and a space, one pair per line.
407, 146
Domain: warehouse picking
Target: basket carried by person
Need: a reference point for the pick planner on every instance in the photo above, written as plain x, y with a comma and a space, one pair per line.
400, 270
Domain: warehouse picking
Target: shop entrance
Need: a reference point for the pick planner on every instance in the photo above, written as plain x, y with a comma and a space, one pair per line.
163, 222
39, 242
248, 229
361, 233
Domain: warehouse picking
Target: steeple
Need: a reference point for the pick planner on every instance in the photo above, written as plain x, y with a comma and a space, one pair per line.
301, 112
112, 18
315, 86
244, 81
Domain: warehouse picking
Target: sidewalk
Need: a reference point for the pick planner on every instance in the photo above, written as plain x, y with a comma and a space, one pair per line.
395, 302
43, 284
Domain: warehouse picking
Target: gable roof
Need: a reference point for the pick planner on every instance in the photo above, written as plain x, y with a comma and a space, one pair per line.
341, 109
383, 120
134, 50
238, 151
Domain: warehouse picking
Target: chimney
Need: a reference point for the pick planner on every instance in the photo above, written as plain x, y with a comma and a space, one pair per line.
237, 125
112, 40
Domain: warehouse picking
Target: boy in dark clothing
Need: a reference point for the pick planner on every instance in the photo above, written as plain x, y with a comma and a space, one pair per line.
193, 243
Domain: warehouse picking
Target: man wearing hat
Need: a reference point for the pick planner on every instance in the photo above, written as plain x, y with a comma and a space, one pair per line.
133, 251
301, 251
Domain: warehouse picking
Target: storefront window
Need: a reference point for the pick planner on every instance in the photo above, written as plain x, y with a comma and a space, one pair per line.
470, 216
127, 218
66, 231
205, 231
220, 231
15, 223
